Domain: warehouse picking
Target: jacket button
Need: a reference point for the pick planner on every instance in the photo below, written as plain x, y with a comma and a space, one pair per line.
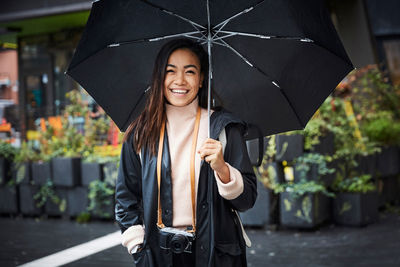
204, 206
166, 212
201, 247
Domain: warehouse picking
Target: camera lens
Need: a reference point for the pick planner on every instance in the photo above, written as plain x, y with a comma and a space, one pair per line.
179, 243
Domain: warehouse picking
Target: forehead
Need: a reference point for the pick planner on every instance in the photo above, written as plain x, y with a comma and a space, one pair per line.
182, 57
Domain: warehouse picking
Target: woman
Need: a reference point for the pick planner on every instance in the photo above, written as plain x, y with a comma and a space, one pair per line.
219, 179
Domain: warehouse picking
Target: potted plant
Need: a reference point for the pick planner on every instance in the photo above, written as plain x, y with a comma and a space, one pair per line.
356, 201
41, 166
66, 162
7, 154
101, 199
21, 168
382, 129
92, 168
47, 197
289, 146
68, 144
304, 204
8, 192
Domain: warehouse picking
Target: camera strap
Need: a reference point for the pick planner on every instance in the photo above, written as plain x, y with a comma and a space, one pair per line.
192, 173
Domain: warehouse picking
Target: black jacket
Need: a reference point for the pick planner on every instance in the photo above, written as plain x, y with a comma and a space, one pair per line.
219, 240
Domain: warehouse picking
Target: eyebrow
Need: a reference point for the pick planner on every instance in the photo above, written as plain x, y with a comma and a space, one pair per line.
185, 67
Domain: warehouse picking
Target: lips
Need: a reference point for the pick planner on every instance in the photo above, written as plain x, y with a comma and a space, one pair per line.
179, 91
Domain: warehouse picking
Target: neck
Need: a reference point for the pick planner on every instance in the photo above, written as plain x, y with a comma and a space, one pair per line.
182, 113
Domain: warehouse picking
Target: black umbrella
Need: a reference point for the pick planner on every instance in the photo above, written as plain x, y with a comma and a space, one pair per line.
273, 62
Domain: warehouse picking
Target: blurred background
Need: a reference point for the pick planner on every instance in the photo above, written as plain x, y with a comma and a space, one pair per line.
59, 152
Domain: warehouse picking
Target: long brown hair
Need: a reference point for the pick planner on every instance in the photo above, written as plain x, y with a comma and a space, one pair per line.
146, 128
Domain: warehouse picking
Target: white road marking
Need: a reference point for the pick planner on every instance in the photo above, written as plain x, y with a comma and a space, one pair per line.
77, 252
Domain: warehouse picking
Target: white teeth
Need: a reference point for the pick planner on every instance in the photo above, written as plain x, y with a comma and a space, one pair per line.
180, 91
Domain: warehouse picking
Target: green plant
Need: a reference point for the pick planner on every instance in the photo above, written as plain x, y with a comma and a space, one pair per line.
96, 131
266, 173
7, 151
100, 196
358, 184
46, 193
382, 129
303, 187
372, 92
305, 162
83, 217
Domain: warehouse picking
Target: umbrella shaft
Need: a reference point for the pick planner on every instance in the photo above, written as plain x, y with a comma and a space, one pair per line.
209, 83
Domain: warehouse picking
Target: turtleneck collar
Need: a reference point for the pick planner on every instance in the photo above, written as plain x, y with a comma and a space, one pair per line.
182, 113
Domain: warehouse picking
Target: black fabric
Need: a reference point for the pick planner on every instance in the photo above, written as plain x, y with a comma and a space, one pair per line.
243, 74
219, 240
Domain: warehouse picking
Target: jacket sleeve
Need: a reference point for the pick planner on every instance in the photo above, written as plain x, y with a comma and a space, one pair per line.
128, 189
237, 156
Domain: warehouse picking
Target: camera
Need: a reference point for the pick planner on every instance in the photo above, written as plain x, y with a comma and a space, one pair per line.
176, 240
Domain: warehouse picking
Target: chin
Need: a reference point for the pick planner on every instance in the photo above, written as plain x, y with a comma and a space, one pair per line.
180, 102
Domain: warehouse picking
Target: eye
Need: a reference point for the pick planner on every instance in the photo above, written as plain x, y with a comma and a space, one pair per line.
191, 72
169, 70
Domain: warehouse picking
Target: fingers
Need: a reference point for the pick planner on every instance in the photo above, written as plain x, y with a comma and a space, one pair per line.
207, 152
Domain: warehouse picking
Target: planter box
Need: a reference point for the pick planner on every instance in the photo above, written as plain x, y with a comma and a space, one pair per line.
289, 147
41, 172
110, 171
265, 210
307, 211
8, 200
4, 171
66, 171
367, 164
26, 201
22, 173
77, 201
388, 161
326, 145
355, 208
388, 190
91, 171
53, 209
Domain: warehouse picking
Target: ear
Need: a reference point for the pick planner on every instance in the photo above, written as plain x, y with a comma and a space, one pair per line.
201, 79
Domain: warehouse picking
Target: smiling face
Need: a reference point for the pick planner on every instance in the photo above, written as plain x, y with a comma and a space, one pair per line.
183, 77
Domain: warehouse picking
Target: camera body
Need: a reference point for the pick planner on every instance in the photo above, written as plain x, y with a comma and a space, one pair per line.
178, 241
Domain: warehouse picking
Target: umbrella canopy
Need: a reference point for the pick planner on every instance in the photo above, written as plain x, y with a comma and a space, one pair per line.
273, 63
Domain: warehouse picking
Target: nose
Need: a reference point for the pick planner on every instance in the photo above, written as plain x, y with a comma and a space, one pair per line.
180, 78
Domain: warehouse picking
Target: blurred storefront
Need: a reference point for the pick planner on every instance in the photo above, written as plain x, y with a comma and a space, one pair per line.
45, 34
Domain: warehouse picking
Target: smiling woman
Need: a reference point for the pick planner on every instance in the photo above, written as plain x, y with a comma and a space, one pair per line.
183, 78
178, 190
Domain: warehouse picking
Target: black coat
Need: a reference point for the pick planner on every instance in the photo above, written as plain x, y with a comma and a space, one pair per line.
219, 240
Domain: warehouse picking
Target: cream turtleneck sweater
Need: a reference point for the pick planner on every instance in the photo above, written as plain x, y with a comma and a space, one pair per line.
180, 125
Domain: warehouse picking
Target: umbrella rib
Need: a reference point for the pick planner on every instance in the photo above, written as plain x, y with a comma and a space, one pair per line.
261, 36
223, 23
266, 75
194, 24
153, 39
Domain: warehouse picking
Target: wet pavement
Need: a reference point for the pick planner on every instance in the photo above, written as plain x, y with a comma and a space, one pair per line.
26, 239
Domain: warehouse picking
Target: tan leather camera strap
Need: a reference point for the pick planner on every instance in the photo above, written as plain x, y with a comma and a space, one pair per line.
192, 172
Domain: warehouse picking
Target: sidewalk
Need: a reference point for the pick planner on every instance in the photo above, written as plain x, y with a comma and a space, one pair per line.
25, 239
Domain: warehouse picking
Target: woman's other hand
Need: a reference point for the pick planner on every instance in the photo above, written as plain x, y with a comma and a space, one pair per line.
211, 152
